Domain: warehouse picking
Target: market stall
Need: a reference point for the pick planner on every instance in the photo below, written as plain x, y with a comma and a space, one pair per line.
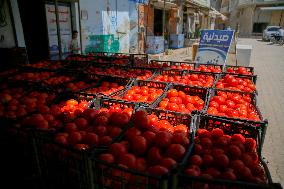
89, 123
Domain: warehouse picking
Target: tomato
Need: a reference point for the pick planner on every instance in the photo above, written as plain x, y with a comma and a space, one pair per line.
221, 161
157, 170
72, 102
118, 149
140, 164
163, 139
70, 127
212, 111
141, 120
119, 119
100, 130
154, 156
181, 128
219, 99
172, 93
176, 151
139, 145
195, 160
102, 120
74, 138
61, 139
132, 132
149, 136
153, 119
90, 114
114, 132
91, 139
173, 107
128, 160
109, 158
169, 163
81, 123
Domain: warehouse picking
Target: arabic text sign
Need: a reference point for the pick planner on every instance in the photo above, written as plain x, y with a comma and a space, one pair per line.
214, 46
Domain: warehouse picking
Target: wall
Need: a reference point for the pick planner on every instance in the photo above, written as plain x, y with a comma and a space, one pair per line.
276, 17
246, 21
106, 26
7, 30
149, 19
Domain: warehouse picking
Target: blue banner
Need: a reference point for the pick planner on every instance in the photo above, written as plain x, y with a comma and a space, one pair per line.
214, 46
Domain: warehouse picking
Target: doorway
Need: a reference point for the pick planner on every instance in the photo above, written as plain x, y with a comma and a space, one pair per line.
34, 28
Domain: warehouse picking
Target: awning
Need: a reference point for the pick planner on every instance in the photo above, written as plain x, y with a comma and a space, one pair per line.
271, 8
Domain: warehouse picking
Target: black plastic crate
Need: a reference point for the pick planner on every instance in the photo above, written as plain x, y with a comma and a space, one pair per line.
229, 128
140, 83
111, 175
248, 69
202, 93
261, 125
139, 60
61, 166
52, 83
122, 82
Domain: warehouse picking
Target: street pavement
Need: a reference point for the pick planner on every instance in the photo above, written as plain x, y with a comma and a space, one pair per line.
268, 61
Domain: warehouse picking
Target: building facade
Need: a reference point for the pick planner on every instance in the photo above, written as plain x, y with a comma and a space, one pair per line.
250, 17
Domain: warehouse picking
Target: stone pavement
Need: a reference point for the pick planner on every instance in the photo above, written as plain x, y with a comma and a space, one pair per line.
268, 61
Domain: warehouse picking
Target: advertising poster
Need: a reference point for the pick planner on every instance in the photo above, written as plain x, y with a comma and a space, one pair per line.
214, 46
65, 28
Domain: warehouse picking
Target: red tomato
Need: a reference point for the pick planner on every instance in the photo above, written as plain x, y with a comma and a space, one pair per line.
163, 139
154, 156
139, 145
141, 120
118, 149
176, 151
127, 159
169, 163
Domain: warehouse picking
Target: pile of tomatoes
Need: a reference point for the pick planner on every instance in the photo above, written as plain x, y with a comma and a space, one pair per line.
147, 147
31, 76
236, 83
53, 81
105, 88
94, 127
76, 86
142, 94
232, 104
213, 69
220, 156
200, 80
180, 102
239, 70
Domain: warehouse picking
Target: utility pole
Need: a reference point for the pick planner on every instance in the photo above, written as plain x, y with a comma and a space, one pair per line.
164, 24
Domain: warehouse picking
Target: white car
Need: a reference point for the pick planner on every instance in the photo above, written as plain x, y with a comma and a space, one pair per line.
269, 30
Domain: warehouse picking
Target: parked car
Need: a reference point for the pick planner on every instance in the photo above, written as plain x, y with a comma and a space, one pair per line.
269, 30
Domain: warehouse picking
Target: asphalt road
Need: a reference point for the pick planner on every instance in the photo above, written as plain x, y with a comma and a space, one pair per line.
268, 61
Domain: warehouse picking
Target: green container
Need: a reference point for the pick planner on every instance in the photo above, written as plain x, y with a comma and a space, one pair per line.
102, 43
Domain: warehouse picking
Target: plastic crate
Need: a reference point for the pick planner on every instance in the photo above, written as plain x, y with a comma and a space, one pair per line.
64, 166
140, 83
202, 93
139, 60
53, 84
108, 175
76, 66
249, 69
229, 128
262, 124
125, 82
